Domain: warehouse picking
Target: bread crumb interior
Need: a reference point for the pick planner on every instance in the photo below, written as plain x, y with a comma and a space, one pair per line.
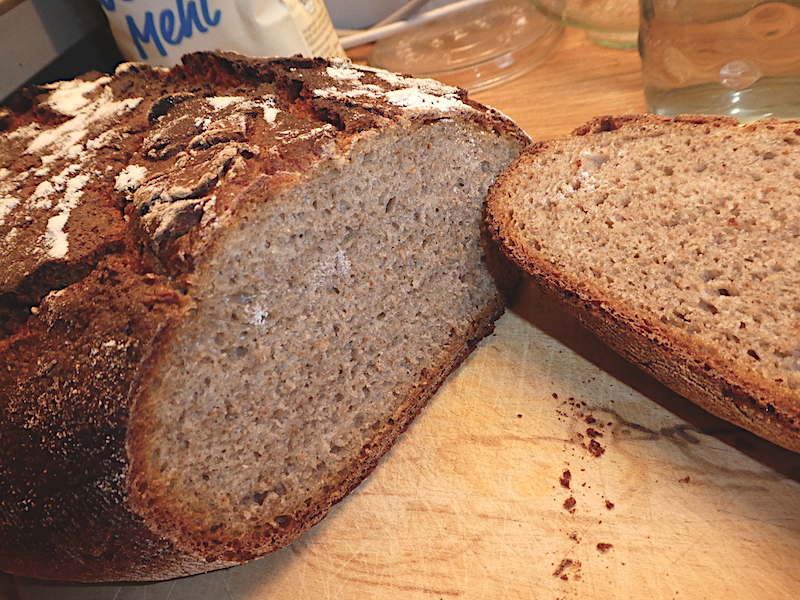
316, 317
687, 227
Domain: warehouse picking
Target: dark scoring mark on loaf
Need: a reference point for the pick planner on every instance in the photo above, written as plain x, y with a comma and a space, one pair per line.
161, 106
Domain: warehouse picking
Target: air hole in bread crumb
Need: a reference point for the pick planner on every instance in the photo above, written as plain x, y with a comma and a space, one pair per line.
709, 307
754, 354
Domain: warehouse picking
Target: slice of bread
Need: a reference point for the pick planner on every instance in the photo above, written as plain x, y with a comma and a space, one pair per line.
228, 287
678, 243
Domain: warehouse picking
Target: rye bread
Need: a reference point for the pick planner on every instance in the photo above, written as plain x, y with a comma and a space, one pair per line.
226, 288
678, 243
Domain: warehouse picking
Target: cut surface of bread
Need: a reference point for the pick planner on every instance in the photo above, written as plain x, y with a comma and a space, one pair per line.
678, 242
342, 301
228, 288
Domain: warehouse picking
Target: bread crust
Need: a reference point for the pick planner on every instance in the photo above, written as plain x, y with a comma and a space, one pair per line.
68, 389
87, 327
701, 373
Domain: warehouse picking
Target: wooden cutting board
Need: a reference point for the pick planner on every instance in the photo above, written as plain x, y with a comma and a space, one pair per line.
546, 468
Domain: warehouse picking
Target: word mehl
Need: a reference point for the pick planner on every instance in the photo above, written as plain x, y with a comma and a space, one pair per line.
173, 24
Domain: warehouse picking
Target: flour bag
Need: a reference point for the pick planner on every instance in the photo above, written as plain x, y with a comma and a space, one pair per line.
159, 32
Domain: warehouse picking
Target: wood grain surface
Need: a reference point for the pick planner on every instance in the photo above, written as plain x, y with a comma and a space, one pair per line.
546, 467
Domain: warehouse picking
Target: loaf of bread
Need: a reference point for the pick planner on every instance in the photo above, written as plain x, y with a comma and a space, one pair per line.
225, 290
678, 243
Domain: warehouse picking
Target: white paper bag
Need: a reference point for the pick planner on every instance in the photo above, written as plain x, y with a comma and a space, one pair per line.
159, 32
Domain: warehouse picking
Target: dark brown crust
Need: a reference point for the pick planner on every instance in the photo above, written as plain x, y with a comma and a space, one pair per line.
84, 332
700, 374
62, 448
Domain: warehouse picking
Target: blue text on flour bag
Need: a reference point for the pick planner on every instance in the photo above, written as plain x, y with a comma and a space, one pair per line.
171, 25
160, 32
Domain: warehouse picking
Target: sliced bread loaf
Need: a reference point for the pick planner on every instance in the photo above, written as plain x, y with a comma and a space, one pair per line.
678, 243
227, 288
